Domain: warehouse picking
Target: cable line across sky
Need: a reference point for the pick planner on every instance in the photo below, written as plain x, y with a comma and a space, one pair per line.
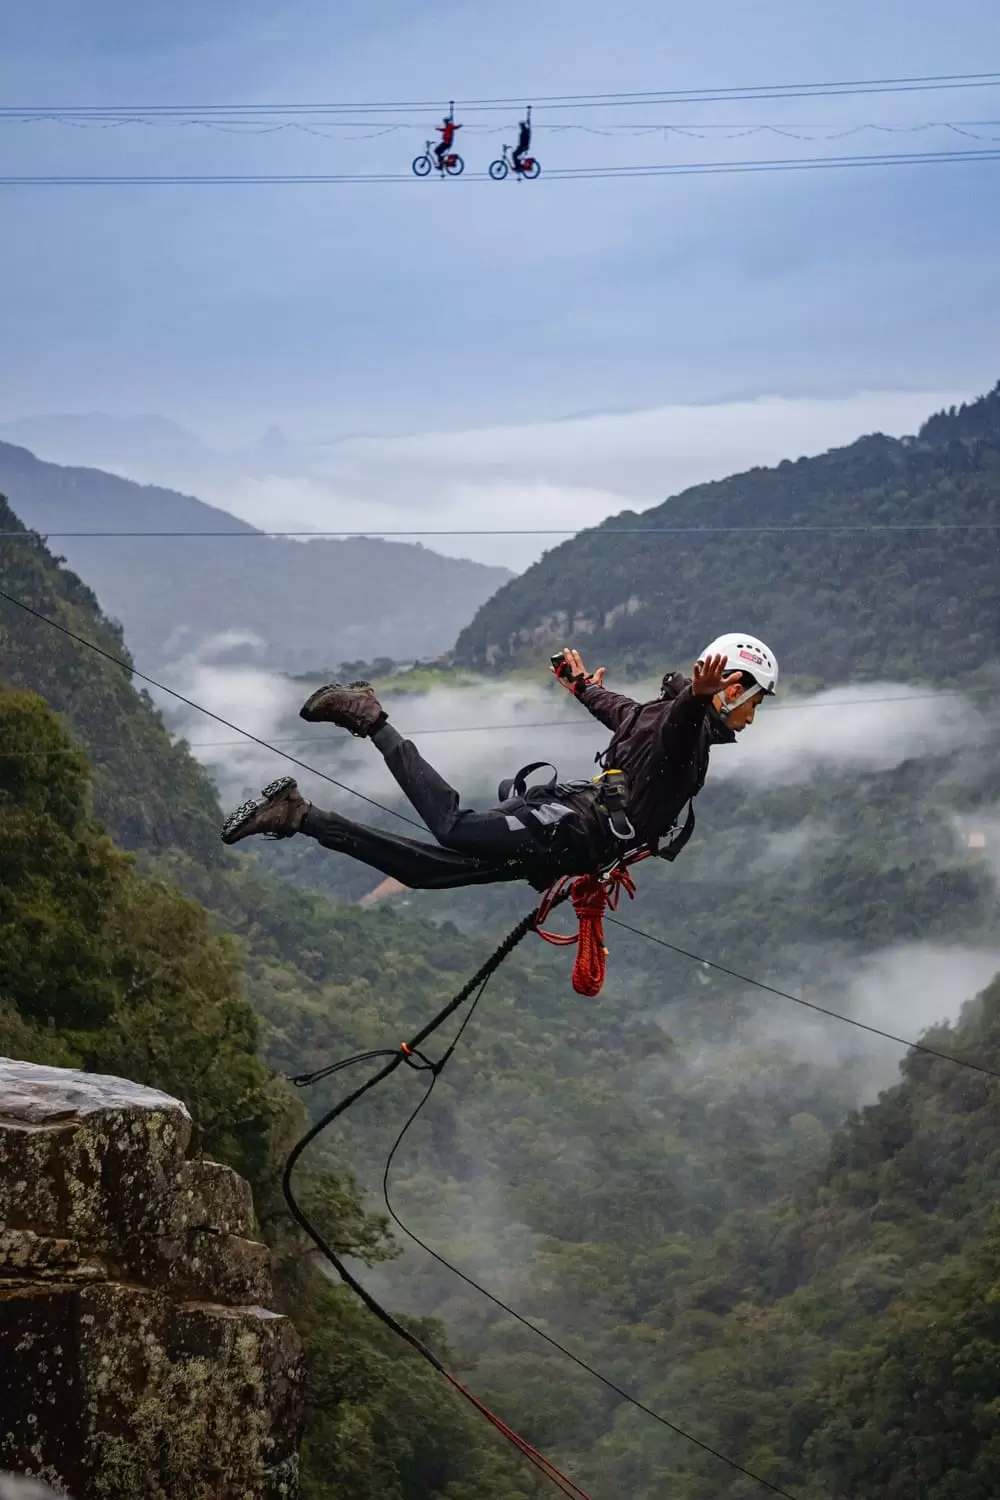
557, 174
917, 83
604, 532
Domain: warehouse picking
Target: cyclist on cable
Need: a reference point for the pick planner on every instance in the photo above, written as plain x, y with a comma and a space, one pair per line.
654, 767
523, 142
447, 133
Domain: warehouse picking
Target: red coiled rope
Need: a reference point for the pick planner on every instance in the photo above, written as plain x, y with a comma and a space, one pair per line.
591, 896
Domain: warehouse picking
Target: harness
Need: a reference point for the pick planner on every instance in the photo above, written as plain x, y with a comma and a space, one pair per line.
548, 803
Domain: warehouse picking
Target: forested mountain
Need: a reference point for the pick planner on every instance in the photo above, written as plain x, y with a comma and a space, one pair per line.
149, 793
691, 1183
312, 605
834, 605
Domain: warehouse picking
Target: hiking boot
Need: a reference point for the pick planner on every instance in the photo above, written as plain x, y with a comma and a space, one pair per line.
277, 813
353, 706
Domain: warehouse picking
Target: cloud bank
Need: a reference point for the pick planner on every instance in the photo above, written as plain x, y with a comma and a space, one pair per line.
565, 475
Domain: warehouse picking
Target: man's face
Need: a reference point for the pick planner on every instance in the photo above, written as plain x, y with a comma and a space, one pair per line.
739, 718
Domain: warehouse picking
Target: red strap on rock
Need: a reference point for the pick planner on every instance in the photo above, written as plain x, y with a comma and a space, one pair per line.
591, 895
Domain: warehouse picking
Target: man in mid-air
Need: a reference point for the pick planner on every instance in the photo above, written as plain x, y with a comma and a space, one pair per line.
654, 767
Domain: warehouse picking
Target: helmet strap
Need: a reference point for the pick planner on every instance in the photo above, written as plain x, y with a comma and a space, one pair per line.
728, 706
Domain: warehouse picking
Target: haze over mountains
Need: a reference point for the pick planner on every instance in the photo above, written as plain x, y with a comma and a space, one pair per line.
149, 448
279, 602
467, 483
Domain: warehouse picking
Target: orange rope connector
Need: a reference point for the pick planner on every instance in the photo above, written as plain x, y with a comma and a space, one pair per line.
591, 896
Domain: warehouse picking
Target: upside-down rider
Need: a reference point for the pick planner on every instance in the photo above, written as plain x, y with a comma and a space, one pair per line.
523, 142
653, 768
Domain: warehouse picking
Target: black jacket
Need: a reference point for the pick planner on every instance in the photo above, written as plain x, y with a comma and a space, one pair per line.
662, 748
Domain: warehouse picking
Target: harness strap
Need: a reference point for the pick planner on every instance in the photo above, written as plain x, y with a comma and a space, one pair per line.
517, 785
680, 837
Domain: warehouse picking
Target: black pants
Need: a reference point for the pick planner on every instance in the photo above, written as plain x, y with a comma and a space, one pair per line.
479, 848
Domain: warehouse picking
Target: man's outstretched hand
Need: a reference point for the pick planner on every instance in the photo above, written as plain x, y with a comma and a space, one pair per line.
709, 677
574, 675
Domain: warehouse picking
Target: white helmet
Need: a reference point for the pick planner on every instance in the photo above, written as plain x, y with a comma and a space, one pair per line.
745, 653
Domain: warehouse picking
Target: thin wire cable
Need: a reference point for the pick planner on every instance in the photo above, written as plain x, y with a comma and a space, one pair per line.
588, 724
558, 174
600, 530
161, 687
835, 1015
908, 83
576, 723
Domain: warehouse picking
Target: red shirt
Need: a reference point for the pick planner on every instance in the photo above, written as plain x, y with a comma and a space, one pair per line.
447, 132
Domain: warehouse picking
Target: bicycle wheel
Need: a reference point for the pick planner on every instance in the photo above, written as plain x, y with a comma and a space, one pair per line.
498, 170
456, 166
422, 165
533, 170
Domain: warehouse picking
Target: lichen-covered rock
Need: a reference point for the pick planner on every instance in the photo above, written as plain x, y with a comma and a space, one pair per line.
137, 1358
211, 1195
23, 1252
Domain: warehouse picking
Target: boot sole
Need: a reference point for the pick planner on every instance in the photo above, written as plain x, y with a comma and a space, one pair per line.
306, 711
244, 814
313, 711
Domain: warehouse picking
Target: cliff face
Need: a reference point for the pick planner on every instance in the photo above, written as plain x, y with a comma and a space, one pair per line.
138, 1360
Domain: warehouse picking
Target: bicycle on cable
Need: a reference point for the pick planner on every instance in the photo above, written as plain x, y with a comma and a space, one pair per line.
441, 156
499, 169
519, 162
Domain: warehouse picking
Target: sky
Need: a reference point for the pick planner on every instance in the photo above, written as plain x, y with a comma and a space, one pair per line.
494, 315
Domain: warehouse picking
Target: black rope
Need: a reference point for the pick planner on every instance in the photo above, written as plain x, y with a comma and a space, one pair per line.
303, 1080
395, 1059
835, 1015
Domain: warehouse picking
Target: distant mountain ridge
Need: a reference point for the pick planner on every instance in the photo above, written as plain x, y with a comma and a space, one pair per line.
146, 447
833, 604
306, 605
